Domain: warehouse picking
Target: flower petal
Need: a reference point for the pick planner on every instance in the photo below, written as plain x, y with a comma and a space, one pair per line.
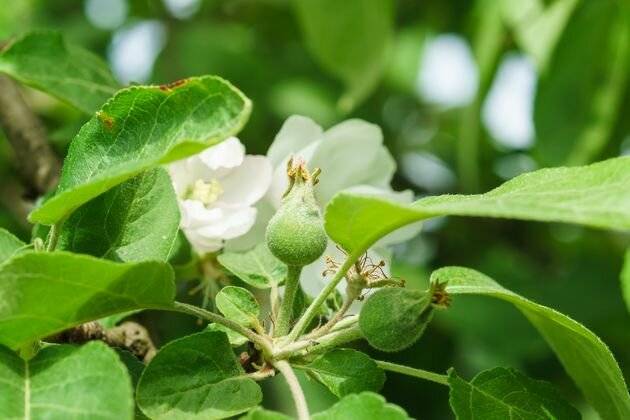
246, 184
233, 223
296, 133
227, 154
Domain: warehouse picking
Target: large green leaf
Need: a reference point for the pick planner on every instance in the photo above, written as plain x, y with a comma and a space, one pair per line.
350, 39
136, 220
257, 267
584, 356
196, 377
573, 124
625, 279
364, 406
239, 305
346, 371
65, 382
594, 195
507, 393
45, 61
140, 128
9, 245
44, 293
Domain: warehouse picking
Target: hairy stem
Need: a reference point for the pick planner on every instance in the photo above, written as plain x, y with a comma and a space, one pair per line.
320, 299
332, 321
326, 342
264, 345
274, 303
53, 236
292, 285
416, 373
296, 390
38, 164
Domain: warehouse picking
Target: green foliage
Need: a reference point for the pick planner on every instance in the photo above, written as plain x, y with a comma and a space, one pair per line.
257, 267
625, 279
351, 43
584, 356
9, 245
365, 406
134, 221
393, 318
63, 382
32, 285
262, 414
196, 377
573, 124
593, 195
46, 61
507, 393
140, 128
346, 371
234, 338
239, 305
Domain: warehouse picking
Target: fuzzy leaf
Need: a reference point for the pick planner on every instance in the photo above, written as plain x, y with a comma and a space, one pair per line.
46, 61
44, 293
351, 43
346, 371
235, 339
9, 245
625, 279
507, 393
260, 413
65, 382
364, 406
584, 356
239, 305
393, 319
196, 377
595, 195
257, 267
140, 128
134, 221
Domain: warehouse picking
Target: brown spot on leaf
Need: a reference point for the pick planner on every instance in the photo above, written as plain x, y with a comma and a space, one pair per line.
173, 85
106, 119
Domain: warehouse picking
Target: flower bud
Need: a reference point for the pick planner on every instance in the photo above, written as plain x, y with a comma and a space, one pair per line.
295, 234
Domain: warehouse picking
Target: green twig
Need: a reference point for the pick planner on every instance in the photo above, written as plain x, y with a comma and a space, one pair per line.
324, 343
53, 237
416, 373
292, 284
295, 388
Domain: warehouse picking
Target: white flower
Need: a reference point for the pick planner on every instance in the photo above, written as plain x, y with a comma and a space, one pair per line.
351, 156
216, 191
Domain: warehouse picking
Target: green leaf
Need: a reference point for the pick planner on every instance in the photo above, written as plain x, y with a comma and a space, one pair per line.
574, 125
350, 43
260, 413
196, 377
364, 406
134, 221
625, 280
140, 128
9, 245
346, 371
239, 305
507, 393
235, 339
393, 319
584, 356
595, 195
257, 267
44, 293
45, 61
65, 382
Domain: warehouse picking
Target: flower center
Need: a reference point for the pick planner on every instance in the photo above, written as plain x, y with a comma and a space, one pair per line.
206, 192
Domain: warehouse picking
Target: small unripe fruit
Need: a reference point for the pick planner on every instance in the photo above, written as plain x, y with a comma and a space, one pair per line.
295, 234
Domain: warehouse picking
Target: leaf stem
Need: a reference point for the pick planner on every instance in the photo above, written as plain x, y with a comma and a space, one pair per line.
310, 346
296, 390
212, 317
53, 237
292, 285
320, 299
416, 373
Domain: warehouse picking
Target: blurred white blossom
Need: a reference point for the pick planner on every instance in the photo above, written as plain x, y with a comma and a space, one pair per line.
351, 156
217, 190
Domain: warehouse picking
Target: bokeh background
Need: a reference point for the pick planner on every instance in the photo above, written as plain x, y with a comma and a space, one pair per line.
468, 94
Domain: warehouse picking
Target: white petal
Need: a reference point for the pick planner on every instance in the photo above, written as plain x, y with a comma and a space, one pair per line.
256, 235
296, 133
227, 154
233, 223
202, 244
180, 176
246, 184
195, 215
345, 156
